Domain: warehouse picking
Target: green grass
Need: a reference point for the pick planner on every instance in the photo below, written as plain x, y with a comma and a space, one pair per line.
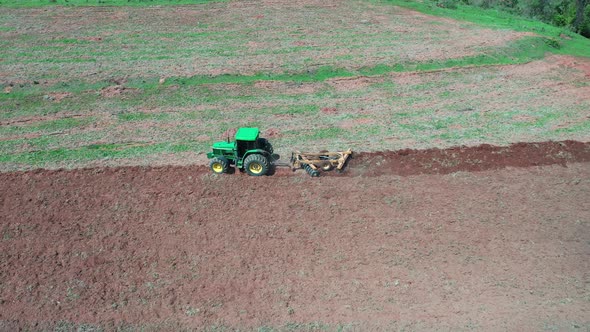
300, 110
315, 75
324, 133
205, 115
40, 3
30, 96
98, 152
47, 126
518, 52
583, 127
186, 113
458, 128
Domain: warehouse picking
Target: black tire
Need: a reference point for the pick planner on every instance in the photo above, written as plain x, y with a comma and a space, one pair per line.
219, 165
312, 172
265, 145
256, 165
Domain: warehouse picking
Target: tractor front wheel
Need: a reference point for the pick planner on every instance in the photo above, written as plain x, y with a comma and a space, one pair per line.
219, 165
256, 165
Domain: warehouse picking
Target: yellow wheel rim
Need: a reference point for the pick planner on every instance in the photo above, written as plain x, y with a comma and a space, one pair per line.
255, 168
217, 167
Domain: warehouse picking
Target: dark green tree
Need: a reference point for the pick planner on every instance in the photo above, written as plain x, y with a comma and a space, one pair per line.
582, 21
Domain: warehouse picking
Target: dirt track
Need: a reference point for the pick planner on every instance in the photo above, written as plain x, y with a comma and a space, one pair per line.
501, 248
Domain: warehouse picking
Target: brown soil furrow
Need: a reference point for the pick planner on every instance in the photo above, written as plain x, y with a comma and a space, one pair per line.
176, 248
413, 162
477, 158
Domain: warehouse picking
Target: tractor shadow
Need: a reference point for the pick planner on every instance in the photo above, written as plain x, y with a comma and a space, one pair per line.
272, 169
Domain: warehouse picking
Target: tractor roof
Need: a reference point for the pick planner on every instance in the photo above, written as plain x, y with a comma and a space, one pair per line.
247, 134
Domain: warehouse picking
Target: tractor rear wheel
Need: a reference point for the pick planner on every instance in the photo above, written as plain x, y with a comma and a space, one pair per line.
256, 165
266, 146
219, 165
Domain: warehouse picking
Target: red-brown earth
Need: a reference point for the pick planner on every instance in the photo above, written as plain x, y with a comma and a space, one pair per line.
491, 238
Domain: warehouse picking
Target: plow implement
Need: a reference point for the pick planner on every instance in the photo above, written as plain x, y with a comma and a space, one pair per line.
312, 163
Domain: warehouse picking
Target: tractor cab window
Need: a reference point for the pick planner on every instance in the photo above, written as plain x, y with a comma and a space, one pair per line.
244, 146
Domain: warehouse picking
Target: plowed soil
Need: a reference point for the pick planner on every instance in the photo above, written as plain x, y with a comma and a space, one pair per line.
484, 238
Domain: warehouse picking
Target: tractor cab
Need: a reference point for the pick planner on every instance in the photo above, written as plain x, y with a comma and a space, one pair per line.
246, 140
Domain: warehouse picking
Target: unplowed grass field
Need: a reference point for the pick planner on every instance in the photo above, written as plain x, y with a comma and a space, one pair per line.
89, 86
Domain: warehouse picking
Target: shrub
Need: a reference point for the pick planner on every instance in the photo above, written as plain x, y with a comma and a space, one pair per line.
450, 4
561, 13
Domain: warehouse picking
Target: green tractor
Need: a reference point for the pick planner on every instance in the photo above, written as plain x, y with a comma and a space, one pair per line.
249, 152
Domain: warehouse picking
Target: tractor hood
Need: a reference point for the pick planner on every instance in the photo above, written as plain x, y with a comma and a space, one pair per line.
224, 145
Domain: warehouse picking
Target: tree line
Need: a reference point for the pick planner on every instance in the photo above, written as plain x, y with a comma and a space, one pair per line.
571, 14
